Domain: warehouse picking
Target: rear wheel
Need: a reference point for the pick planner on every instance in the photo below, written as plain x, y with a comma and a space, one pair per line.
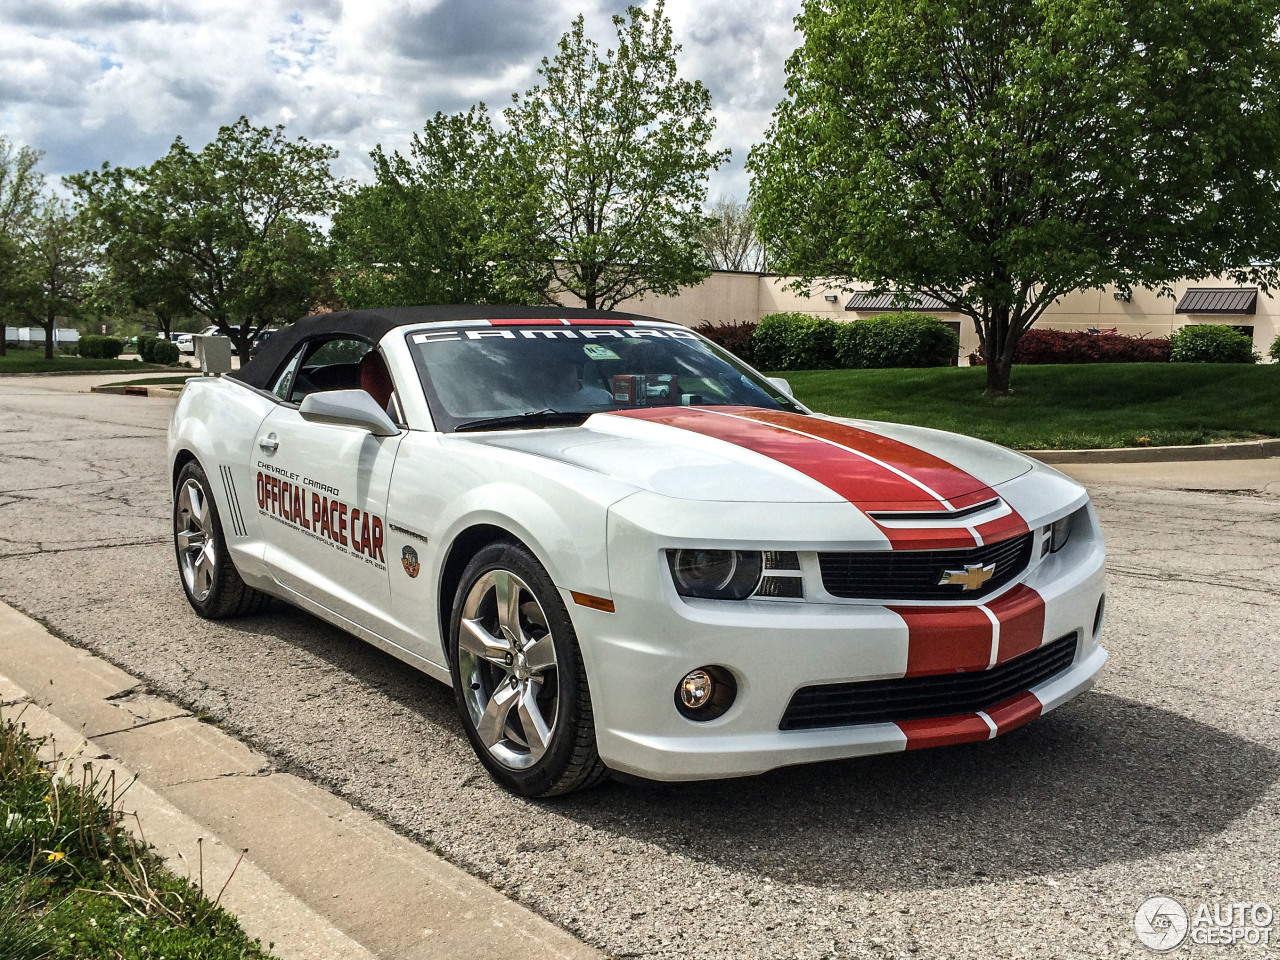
518, 676
212, 584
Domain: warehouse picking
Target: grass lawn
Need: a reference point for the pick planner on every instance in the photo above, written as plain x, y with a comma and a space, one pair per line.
1068, 406
75, 885
33, 361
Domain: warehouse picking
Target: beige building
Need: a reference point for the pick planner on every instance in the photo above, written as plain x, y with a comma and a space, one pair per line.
728, 296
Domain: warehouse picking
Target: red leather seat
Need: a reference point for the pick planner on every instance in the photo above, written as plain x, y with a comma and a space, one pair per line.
374, 378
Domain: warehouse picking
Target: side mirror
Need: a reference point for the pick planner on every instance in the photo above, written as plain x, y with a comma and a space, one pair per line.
782, 385
347, 408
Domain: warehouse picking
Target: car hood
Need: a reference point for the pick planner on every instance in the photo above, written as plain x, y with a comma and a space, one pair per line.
745, 454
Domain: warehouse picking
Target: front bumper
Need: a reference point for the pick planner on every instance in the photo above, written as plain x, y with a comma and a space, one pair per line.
636, 656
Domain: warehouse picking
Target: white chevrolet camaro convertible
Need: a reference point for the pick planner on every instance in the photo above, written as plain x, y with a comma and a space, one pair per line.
627, 550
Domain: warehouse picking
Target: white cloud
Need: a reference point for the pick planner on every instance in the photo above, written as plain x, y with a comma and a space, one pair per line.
89, 81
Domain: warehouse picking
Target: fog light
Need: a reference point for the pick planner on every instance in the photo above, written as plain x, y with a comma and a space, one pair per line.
706, 693
696, 689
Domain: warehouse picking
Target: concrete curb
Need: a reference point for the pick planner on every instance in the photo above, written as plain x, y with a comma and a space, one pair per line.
170, 390
321, 879
90, 373
1248, 450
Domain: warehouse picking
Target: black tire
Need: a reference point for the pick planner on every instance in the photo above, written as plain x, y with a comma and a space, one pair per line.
517, 758
215, 589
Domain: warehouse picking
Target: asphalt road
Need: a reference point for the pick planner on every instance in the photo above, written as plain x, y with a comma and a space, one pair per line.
1039, 844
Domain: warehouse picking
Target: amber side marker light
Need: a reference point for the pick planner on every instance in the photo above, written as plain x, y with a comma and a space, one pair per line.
595, 603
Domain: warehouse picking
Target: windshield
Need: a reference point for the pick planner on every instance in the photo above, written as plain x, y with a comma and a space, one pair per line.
537, 375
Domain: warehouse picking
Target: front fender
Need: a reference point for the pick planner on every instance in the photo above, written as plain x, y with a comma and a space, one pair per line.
217, 421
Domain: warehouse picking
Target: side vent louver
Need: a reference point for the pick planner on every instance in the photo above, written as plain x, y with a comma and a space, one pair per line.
233, 503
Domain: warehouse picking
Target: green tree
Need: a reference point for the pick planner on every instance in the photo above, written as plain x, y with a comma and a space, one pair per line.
998, 156
230, 233
52, 268
21, 185
597, 185
416, 235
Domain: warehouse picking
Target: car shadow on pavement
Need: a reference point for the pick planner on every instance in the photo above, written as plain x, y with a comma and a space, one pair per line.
1103, 779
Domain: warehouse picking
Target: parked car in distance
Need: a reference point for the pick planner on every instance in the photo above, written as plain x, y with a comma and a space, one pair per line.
627, 550
262, 337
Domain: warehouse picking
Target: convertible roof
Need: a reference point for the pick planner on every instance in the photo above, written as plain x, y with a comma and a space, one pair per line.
373, 325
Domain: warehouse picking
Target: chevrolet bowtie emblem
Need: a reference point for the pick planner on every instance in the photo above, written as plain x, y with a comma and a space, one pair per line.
971, 577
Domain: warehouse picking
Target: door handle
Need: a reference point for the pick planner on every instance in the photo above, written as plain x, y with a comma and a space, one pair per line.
269, 443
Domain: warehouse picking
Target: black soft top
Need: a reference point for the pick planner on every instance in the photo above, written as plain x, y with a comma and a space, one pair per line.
373, 325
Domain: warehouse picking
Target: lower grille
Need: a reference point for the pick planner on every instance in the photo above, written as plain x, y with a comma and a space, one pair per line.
918, 698
918, 574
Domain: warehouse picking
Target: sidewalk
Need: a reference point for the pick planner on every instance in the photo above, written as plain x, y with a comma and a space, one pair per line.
1258, 477
320, 879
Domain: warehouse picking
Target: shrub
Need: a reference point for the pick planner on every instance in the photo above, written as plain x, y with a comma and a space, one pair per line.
896, 340
146, 343
1078, 346
794, 341
164, 352
1211, 343
100, 348
1274, 352
734, 337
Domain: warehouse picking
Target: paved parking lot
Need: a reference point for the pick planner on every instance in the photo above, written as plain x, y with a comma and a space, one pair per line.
1040, 844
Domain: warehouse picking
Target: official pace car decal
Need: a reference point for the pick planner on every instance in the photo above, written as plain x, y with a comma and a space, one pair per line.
317, 510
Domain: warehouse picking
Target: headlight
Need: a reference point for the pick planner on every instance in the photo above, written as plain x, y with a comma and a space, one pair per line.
715, 574
1059, 533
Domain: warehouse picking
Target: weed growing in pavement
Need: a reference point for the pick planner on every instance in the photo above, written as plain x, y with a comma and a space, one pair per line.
74, 883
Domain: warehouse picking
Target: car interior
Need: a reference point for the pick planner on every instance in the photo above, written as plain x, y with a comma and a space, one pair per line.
339, 364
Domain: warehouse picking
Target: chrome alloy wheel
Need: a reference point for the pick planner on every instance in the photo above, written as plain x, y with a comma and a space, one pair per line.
193, 532
507, 664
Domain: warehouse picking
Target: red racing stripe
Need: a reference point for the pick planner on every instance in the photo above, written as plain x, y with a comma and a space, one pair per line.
1002, 528
1021, 616
874, 473
517, 322
856, 478
943, 640
942, 731
946, 480
946, 639
1014, 712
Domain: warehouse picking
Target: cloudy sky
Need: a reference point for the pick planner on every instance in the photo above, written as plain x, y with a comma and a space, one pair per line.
116, 80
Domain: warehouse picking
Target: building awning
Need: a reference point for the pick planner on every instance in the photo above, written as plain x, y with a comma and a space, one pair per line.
891, 302
1219, 300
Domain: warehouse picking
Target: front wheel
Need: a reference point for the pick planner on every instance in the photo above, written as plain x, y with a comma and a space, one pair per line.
212, 583
518, 676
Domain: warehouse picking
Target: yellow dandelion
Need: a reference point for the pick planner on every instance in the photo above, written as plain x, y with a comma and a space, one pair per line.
55, 856
49, 798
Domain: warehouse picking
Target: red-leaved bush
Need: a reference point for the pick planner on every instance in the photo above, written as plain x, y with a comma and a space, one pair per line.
1077, 346
733, 336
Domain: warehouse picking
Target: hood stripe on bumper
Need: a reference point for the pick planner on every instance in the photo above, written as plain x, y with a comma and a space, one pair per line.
942, 640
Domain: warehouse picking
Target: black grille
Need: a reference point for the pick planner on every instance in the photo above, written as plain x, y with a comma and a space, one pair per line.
918, 698
915, 574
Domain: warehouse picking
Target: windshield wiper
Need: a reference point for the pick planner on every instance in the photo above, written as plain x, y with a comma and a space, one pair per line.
531, 418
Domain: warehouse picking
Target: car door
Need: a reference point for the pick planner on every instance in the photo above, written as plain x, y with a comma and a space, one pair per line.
323, 490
